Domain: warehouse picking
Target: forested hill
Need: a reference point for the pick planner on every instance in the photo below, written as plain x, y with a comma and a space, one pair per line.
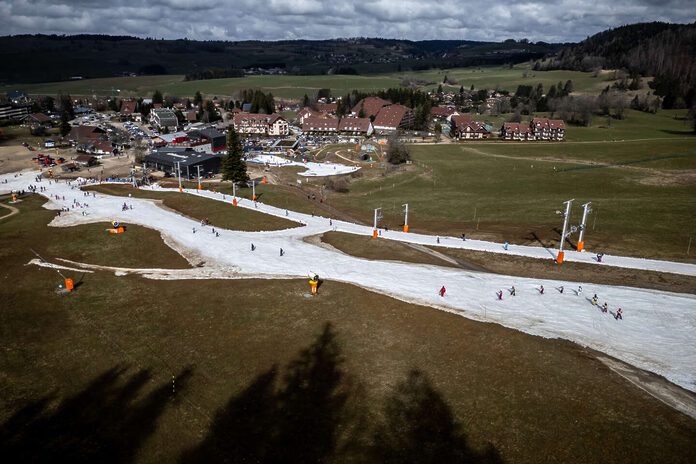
665, 51
44, 58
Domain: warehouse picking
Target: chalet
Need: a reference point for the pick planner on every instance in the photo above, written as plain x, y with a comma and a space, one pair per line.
464, 127
38, 120
393, 117
320, 126
163, 117
191, 115
548, 129
369, 107
277, 125
128, 107
261, 124
329, 108
442, 113
85, 134
304, 113
355, 126
516, 131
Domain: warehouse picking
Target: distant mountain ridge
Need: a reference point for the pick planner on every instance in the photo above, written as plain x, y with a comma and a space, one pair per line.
56, 58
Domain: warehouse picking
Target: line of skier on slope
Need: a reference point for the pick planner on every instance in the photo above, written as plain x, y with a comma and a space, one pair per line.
512, 291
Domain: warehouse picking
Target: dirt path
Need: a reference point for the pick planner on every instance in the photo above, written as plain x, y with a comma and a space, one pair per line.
657, 387
12, 212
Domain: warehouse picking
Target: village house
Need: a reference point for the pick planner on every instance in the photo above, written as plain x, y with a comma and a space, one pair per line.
36, 120
127, 109
465, 127
329, 108
516, 131
355, 126
84, 135
369, 107
261, 124
163, 118
442, 113
393, 117
320, 126
548, 129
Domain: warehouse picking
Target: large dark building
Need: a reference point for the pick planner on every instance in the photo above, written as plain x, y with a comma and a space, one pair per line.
166, 159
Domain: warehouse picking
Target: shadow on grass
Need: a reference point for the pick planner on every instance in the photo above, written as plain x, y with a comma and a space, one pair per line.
105, 423
312, 417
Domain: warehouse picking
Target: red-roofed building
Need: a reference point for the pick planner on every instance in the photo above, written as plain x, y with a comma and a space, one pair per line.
464, 126
516, 131
442, 113
393, 117
128, 107
369, 106
548, 129
320, 126
355, 126
277, 125
262, 124
327, 107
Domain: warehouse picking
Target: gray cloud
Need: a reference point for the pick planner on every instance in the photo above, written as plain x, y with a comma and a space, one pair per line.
547, 20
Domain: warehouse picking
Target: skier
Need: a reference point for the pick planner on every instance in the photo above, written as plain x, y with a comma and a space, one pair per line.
506, 246
252, 247
541, 290
512, 291
618, 314
217, 234
605, 307
579, 290
286, 212
561, 289
438, 240
194, 230
463, 237
442, 291
281, 252
599, 257
594, 300
500, 294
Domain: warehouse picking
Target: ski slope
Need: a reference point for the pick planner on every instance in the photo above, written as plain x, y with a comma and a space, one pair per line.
658, 332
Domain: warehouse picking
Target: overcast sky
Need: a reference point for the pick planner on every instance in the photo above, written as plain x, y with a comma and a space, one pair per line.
547, 20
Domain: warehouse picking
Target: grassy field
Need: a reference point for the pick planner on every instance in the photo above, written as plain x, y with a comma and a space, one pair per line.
505, 78
88, 377
510, 191
296, 86
218, 213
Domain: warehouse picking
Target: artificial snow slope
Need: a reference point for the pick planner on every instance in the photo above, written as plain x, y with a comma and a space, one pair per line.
657, 333
313, 169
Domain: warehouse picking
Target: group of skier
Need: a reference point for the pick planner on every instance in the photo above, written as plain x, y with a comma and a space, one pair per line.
513, 292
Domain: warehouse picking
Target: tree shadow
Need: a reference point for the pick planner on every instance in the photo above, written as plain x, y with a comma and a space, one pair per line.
297, 422
534, 236
419, 427
313, 415
105, 423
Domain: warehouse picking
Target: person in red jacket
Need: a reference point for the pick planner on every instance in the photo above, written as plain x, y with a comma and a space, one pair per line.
442, 291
